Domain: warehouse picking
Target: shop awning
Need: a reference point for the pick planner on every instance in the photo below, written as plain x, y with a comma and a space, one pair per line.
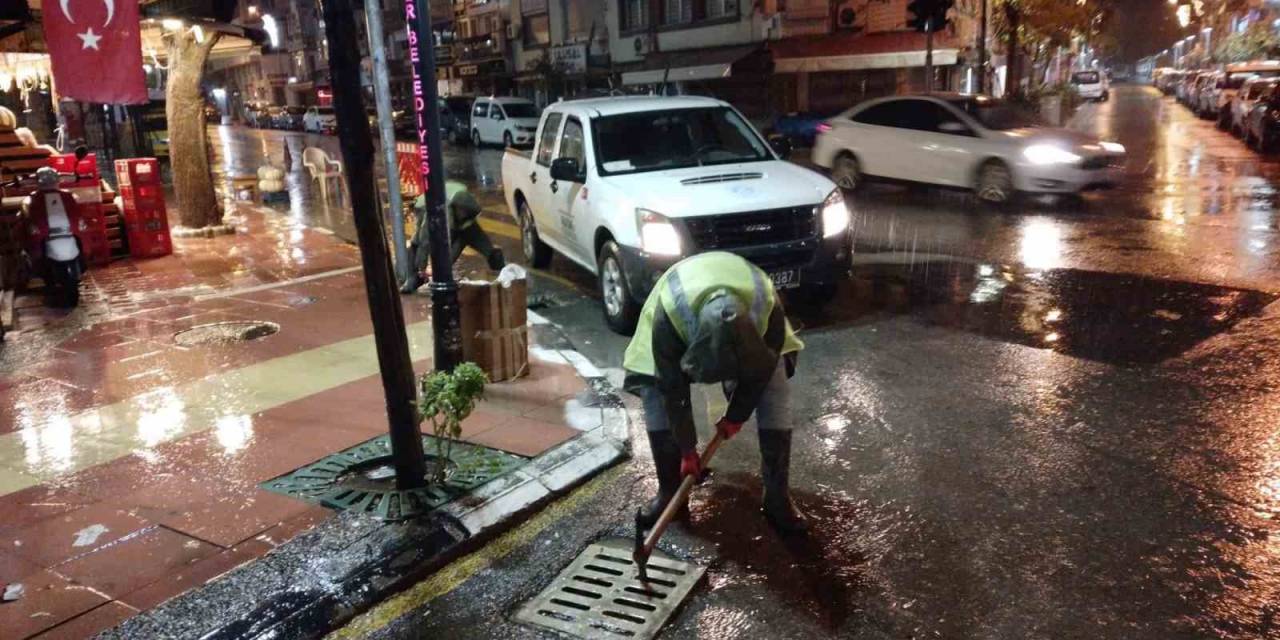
695, 64
849, 52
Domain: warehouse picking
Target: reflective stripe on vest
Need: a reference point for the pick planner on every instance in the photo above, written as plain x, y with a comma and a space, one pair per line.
681, 291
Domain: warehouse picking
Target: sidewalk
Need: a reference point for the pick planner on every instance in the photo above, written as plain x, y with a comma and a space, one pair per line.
131, 465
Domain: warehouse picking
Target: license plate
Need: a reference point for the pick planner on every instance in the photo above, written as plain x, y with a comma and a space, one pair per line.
785, 279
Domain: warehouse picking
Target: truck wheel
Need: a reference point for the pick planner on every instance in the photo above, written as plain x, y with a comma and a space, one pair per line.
536, 252
620, 309
506, 139
475, 138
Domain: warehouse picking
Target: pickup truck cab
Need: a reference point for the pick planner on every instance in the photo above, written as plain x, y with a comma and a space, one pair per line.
628, 186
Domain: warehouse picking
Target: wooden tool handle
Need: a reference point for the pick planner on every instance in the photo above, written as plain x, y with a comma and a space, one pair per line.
681, 496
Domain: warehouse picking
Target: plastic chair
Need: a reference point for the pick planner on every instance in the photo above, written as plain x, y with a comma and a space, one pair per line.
322, 168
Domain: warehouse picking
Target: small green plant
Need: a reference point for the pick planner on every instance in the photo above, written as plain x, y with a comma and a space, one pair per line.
446, 399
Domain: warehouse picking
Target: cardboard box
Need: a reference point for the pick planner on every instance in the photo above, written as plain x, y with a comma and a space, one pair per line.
494, 327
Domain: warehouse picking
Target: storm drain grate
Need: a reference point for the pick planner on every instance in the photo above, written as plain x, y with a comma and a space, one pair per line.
600, 595
362, 479
225, 332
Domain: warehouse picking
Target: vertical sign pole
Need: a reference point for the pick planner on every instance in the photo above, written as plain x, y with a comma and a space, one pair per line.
444, 289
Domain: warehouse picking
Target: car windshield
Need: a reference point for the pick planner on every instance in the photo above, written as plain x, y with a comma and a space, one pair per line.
998, 114
1085, 77
656, 140
519, 110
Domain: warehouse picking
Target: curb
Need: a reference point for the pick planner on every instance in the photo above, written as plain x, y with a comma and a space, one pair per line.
344, 565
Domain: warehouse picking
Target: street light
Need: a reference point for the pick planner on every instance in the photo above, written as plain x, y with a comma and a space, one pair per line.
272, 28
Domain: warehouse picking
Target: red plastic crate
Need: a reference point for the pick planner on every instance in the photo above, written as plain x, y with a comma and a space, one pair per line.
137, 171
87, 190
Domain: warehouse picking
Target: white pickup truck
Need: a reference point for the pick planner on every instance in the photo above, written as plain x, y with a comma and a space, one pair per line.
627, 186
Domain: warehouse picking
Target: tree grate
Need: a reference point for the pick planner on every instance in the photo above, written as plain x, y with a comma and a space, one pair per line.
352, 480
600, 595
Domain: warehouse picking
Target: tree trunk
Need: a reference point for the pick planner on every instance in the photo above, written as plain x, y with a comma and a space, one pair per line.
1013, 76
188, 149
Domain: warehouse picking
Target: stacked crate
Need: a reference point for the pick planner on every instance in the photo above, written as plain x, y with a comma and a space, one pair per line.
146, 220
87, 190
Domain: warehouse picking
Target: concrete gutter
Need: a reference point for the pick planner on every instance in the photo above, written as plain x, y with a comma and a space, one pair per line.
326, 576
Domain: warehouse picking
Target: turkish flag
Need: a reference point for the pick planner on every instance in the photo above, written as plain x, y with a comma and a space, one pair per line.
96, 50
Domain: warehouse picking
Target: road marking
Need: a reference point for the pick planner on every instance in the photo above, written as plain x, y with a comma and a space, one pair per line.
456, 573
276, 285
504, 229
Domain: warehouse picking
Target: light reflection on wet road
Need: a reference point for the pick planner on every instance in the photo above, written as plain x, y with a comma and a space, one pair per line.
1053, 421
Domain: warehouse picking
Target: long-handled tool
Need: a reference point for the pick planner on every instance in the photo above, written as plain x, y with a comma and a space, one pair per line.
644, 546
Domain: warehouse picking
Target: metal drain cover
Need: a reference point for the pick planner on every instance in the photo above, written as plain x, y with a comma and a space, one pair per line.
225, 332
600, 595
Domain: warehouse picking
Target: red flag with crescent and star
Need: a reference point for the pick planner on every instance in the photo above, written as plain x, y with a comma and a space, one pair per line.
96, 50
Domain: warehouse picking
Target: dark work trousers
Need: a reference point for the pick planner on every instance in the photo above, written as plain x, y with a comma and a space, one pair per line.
471, 236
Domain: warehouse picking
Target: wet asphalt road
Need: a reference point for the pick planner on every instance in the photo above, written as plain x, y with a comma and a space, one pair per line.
1054, 421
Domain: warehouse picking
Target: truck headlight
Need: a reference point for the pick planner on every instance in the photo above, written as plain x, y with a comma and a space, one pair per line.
1112, 147
835, 214
657, 235
1049, 154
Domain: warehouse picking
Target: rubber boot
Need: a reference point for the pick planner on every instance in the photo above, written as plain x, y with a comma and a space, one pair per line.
666, 463
775, 473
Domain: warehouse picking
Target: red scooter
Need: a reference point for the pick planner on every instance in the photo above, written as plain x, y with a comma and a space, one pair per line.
52, 218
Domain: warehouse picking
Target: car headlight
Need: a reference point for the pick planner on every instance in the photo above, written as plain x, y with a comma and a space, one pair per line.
835, 214
1111, 147
1049, 154
657, 235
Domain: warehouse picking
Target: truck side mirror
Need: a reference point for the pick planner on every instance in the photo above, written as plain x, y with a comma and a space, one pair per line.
781, 146
566, 169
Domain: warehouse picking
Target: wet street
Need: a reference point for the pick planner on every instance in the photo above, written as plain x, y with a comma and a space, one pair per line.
1055, 420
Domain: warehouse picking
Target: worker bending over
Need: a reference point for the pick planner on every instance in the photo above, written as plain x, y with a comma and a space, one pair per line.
716, 318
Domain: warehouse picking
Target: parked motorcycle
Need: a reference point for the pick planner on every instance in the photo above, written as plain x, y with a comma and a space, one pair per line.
52, 218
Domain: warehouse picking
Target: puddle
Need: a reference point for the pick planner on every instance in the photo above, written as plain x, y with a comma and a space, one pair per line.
1111, 318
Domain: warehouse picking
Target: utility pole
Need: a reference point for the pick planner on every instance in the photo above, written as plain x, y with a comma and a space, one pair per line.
444, 290
928, 55
982, 47
384, 296
386, 131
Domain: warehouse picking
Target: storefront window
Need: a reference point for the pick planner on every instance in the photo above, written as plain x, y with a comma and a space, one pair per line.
635, 14
537, 31
678, 12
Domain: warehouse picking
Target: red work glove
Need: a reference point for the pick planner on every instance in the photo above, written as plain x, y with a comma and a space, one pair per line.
728, 428
690, 465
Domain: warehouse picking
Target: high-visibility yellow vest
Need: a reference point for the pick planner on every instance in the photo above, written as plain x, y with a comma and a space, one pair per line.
683, 289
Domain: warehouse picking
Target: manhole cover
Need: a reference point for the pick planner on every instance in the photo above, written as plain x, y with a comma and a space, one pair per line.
600, 595
225, 332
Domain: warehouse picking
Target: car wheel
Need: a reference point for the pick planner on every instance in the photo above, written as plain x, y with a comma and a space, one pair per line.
1224, 121
995, 182
475, 138
620, 309
506, 139
846, 172
536, 252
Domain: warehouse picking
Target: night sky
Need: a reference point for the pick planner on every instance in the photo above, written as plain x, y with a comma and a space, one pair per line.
1142, 27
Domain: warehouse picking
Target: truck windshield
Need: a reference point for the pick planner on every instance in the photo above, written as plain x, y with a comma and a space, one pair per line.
657, 140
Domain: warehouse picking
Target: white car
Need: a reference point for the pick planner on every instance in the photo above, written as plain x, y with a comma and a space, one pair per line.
1253, 90
963, 141
628, 186
320, 120
510, 121
1091, 85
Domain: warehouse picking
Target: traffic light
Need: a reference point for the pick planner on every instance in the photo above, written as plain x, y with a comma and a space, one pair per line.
928, 15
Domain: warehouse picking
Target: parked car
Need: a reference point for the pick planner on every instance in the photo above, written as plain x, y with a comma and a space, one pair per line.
1232, 84
510, 121
1242, 104
963, 141
270, 117
1206, 103
455, 118
289, 118
320, 120
1262, 126
257, 115
670, 177
799, 127
1091, 85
